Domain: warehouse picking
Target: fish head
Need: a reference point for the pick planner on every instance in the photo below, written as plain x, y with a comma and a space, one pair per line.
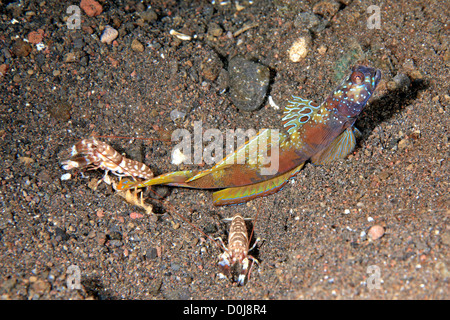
351, 96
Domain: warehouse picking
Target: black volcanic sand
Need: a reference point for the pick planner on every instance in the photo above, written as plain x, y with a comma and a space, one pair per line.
315, 232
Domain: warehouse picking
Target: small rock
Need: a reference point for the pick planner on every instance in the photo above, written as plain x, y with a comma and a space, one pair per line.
109, 35
136, 215
447, 58
61, 235
441, 267
84, 61
137, 46
416, 75
403, 144
66, 176
445, 238
176, 115
211, 67
17, 78
402, 82
21, 48
40, 59
3, 70
375, 232
91, 7
35, 37
299, 49
115, 243
101, 238
71, 57
223, 81
310, 21
214, 30
115, 235
322, 49
60, 110
149, 15
175, 266
151, 253
40, 287
326, 8
78, 43
249, 82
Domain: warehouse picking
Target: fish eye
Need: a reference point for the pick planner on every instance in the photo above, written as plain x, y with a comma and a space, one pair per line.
357, 77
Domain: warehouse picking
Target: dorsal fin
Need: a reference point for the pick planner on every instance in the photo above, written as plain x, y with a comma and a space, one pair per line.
297, 112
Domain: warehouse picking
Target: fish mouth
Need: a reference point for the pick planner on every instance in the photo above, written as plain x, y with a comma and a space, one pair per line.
376, 78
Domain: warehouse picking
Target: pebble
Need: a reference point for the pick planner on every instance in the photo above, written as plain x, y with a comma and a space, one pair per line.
149, 15
78, 43
40, 59
249, 82
136, 215
402, 82
211, 67
137, 46
299, 49
60, 110
109, 35
70, 57
310, 21
403, 144
91, 7
326, 8
35, 37
375, 232
115, 235
61, 235
38, 287
214, 30
177, 115
66, 176
175, 266
3, 70
21, 48
151, 253
322, 49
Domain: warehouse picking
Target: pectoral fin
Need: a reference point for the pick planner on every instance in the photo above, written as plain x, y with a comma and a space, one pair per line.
338, 149
249, 192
